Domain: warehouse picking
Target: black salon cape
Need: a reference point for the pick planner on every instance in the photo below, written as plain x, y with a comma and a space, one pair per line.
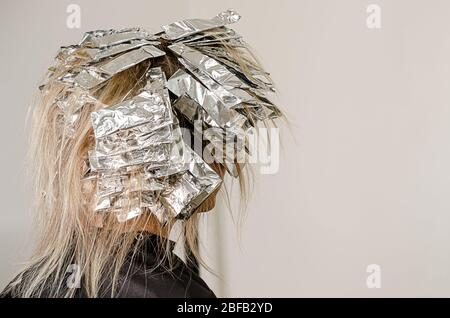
145, 277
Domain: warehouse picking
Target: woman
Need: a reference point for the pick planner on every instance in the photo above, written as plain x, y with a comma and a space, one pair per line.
134, 133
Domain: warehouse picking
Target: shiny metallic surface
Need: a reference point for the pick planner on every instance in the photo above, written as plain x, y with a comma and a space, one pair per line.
191, 188
185, 28
182, 83
105, 38
141, 162
93, 76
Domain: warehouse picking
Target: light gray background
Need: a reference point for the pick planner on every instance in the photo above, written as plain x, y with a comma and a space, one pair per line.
364, 175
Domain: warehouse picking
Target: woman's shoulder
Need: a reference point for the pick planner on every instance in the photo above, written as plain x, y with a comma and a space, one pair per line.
147, 281
143, 275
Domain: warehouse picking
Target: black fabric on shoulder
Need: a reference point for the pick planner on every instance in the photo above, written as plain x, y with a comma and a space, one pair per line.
145, 274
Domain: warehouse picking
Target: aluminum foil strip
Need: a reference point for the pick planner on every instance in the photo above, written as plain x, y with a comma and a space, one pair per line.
156, 83
209, 66
178, 158
129, 208
124, 61
89, 78
204, 35
191, 188
104, 38
258, 78
236, 42
189, 108
144, 108
128, 214
208, 69
215, 135
260, 85
178, 196
150, 200
181, 83
88, 174
235, 97
225, 148
130, 200
120, 48
192, 111
170, 168
122, 214
72, 99
139, 131
189, 27
142, 136
154, 184
92, 76
221, 138
177, 162
109, 185
262, 96
65, 52
230, 97
115, 184
164, 156
216, 34
261, 112
220, 54
153, 155
68, 77
130, 205
74, 54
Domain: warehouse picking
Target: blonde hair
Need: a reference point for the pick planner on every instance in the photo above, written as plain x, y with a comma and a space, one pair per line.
67, 228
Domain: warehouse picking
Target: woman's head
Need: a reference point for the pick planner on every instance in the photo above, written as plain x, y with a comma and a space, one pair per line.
87, 179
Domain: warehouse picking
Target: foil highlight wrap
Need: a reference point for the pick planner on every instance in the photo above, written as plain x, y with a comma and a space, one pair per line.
182, 83
141, 162
185, 28
191, 188
93, 76
106, 38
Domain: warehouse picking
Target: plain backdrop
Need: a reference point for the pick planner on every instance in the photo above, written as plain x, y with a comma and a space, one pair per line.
364, 173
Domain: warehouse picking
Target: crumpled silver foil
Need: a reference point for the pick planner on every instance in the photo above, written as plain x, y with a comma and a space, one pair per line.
182, 83
92, 76
232, 89
188, 27
192, 187
141, 162
208, 66
211, 37
141, 109
256, 77
107, 38
142, 135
